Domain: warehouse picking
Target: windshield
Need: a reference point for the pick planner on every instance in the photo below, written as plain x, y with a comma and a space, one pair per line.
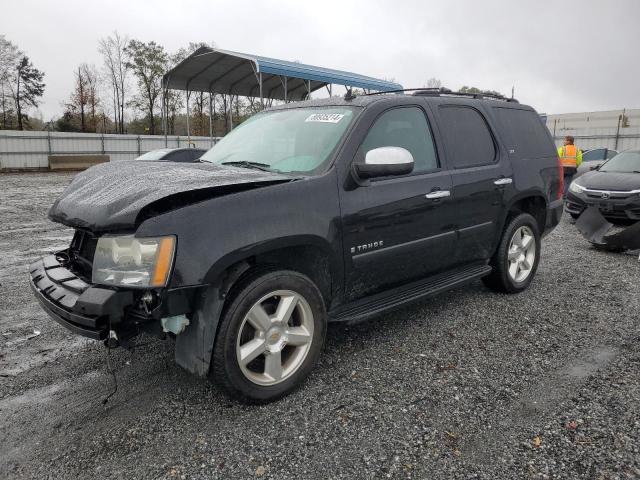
153, 155
293, 140
623, 162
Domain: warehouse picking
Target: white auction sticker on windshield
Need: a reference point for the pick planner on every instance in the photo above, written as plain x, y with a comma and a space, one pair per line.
325, 117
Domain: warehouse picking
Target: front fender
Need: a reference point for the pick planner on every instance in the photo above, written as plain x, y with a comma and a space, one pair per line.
274, 244
216, 233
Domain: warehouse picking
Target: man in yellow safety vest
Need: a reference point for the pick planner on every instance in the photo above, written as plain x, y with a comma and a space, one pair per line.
570, 158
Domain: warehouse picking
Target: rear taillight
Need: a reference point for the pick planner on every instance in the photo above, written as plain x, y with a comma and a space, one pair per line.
561, 180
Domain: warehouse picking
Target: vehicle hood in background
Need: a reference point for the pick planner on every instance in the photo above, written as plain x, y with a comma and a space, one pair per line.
611, 181
111, 195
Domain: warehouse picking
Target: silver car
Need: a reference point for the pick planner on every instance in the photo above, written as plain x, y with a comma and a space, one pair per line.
592, 159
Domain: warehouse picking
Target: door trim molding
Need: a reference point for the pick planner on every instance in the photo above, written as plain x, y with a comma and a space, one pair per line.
399, 248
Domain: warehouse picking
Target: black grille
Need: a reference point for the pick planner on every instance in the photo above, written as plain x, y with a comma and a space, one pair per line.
82, 250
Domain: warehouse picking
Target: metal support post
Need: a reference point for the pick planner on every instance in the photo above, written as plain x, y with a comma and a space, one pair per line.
261, 98
620, 120
166, 116
188, 120
162, 111
210, 120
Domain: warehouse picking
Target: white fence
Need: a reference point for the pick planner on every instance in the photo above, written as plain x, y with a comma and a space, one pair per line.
601, 137
30, 150
614, 129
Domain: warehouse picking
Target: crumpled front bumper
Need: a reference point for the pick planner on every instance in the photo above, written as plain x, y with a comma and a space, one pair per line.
82, 308
595, 228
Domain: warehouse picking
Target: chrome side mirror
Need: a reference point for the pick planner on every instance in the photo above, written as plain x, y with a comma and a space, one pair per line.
385, 161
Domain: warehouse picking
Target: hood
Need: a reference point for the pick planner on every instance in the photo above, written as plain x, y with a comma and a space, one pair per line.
111, 196
611, 181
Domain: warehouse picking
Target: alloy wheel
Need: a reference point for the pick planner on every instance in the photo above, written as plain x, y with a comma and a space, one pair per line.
521, 254
275, 337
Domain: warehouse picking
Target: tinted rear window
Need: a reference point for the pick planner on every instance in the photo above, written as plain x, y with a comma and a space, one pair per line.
468, 140
524, 133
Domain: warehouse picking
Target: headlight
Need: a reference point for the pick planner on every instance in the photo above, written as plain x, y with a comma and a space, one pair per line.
133, 262
575, 188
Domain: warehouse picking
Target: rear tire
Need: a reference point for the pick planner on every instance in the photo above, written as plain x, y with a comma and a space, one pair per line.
270, 336
516, 261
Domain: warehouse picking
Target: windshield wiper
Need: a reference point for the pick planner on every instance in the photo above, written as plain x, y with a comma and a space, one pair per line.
245, 164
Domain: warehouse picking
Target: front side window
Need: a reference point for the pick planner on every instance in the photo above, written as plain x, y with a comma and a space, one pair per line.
294, 140
404, 127
592, 155
468, 140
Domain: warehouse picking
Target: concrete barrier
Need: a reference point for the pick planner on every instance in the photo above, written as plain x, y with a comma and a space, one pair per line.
75, 162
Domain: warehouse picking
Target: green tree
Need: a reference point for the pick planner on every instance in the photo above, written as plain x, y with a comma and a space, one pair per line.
148, 62
28, 88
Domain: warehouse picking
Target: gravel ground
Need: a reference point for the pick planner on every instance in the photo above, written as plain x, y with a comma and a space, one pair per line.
472, 384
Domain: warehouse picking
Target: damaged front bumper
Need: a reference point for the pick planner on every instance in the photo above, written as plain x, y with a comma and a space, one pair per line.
93, 311
595, 228
82, 308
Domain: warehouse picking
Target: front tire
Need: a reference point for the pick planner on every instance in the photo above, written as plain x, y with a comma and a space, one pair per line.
516, 261
270, 337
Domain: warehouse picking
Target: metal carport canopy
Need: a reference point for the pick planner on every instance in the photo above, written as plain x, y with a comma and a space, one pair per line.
225, 72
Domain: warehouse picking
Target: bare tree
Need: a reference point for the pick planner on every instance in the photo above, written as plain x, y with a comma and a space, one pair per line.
112, 49
79, 97
434, 83
200, 102
9, 57
93, 99
175, 98
224, 111
82, 108
200, 99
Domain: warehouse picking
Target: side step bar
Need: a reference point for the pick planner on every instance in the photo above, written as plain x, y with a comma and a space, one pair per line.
396, 297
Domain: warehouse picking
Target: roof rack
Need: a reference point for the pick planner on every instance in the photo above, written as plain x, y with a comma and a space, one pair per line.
441, 91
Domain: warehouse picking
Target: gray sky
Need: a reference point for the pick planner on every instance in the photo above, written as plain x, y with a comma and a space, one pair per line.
562, 56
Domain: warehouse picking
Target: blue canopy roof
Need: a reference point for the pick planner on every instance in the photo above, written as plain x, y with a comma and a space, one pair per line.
227, 72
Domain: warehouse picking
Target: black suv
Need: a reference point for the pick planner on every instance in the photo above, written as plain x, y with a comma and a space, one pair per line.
326, 210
